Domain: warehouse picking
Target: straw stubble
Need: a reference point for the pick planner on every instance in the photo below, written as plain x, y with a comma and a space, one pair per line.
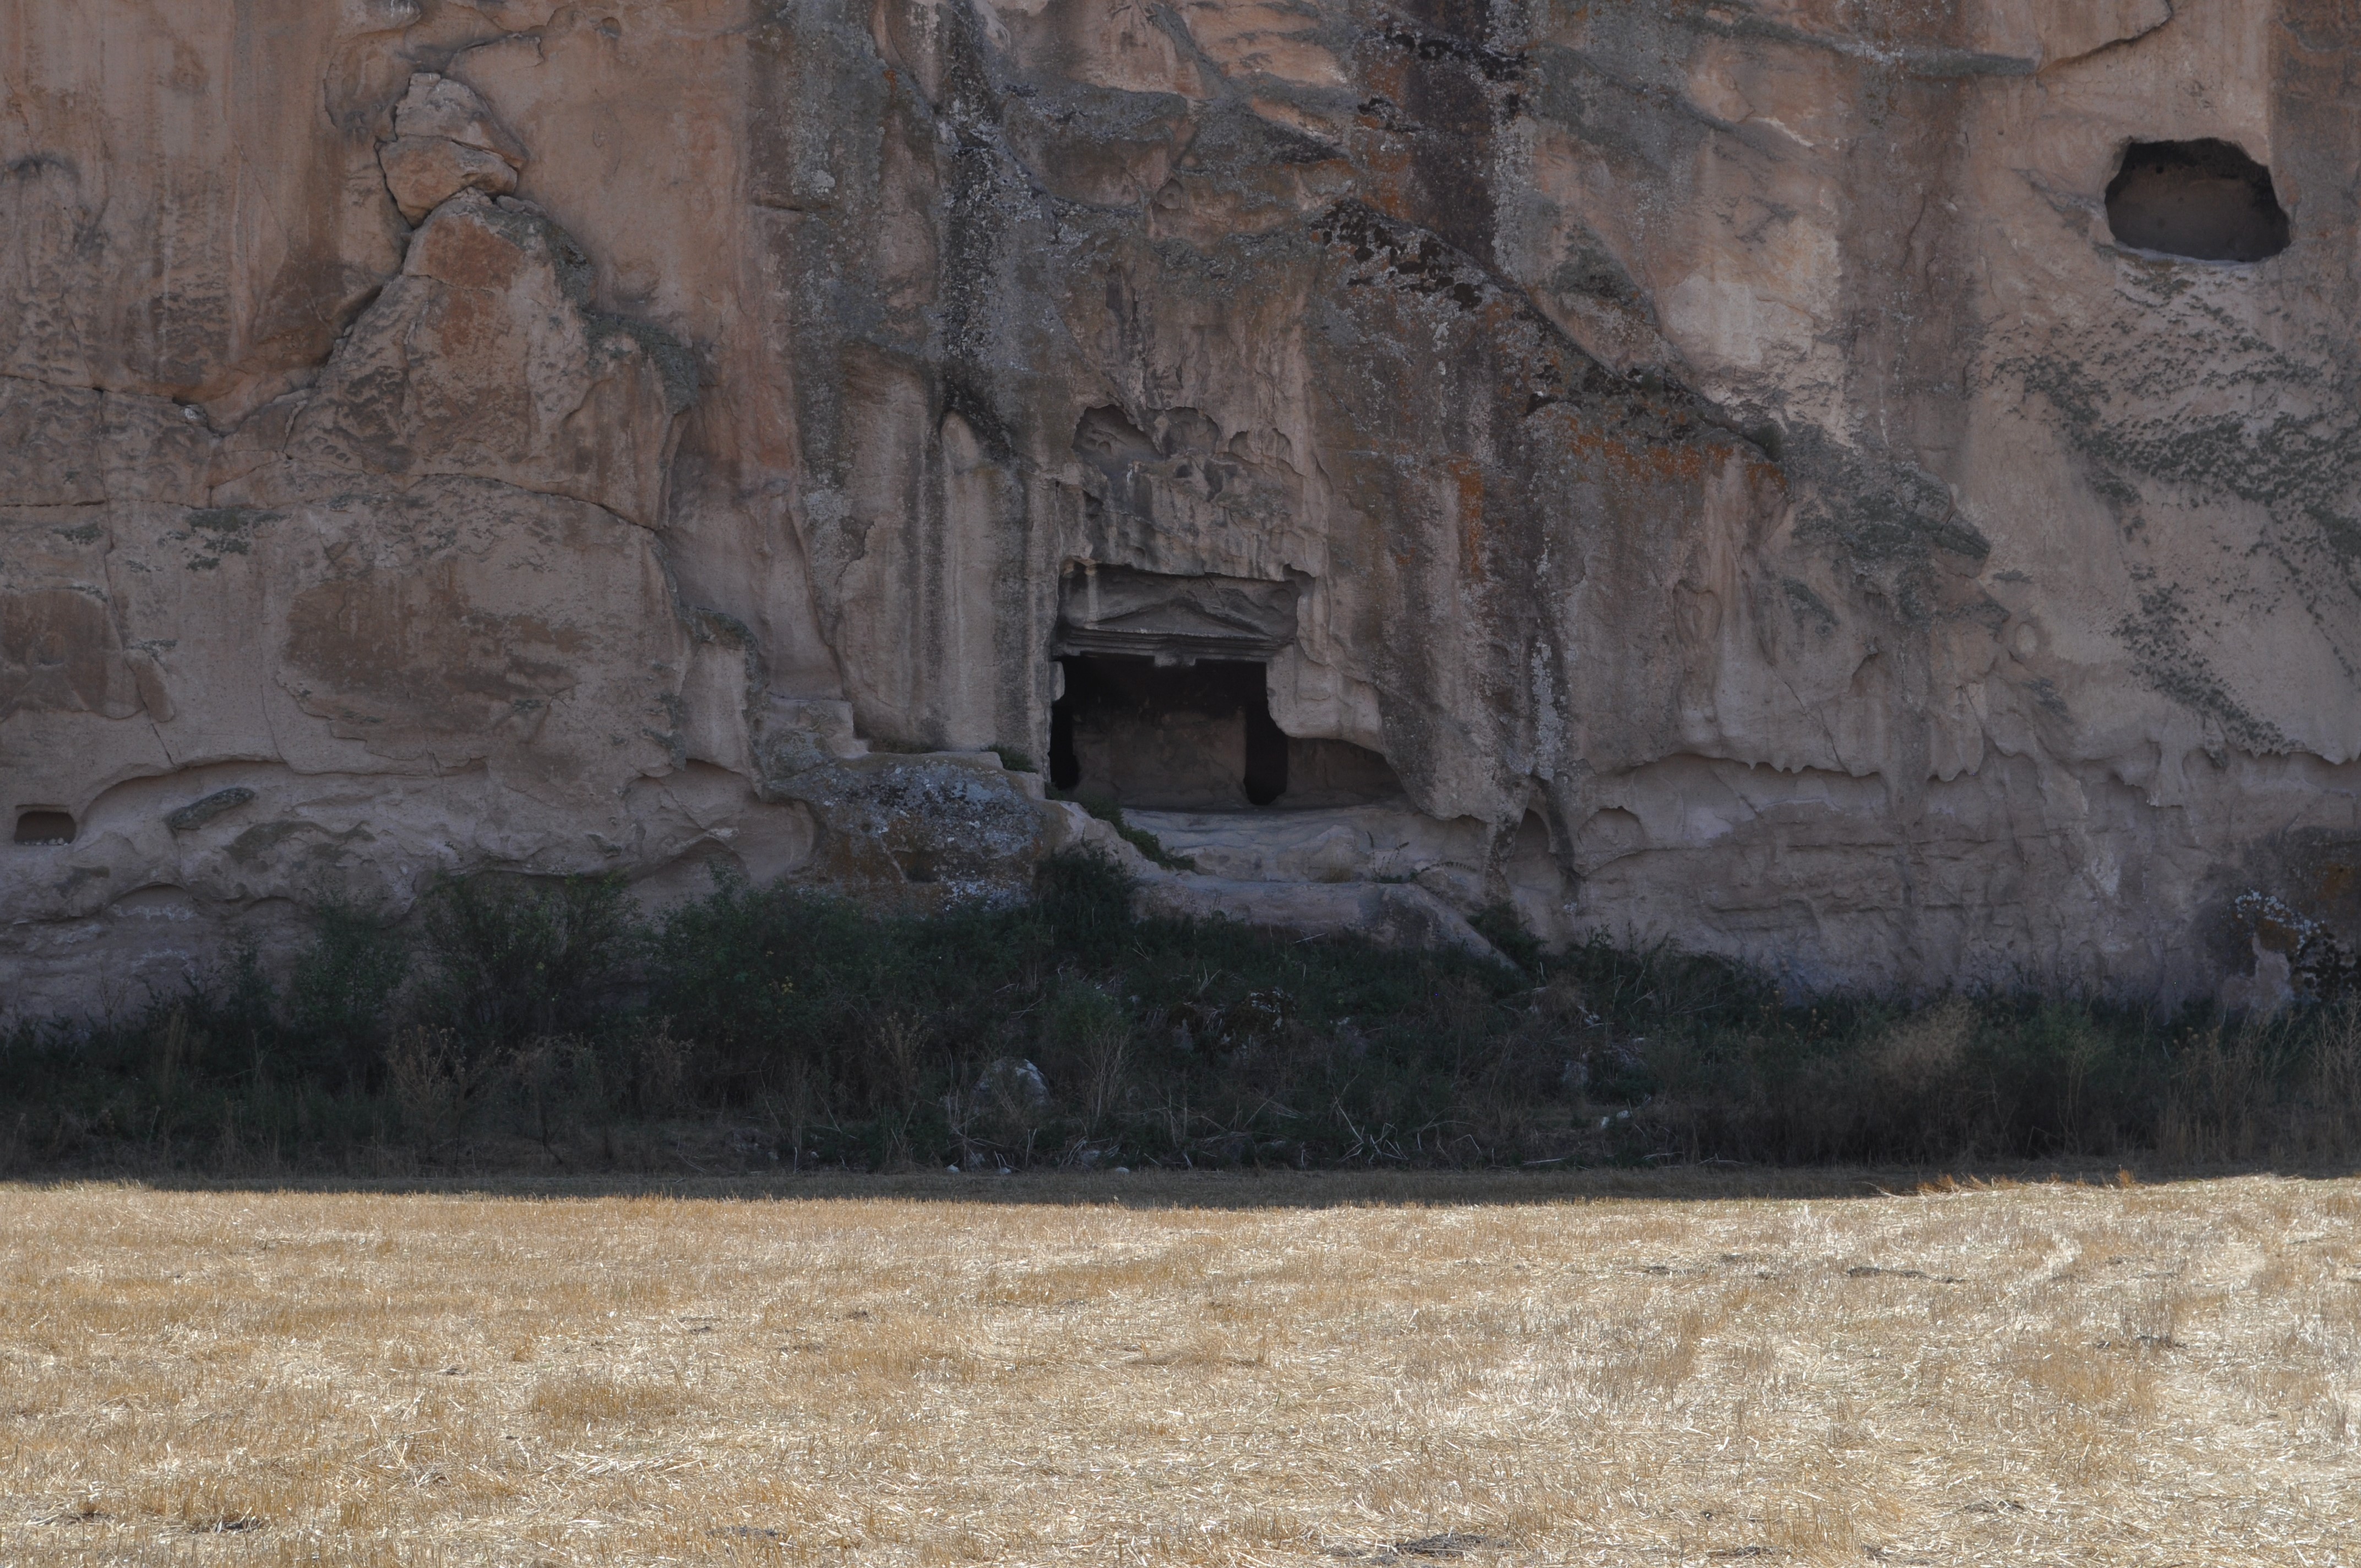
1275, 1372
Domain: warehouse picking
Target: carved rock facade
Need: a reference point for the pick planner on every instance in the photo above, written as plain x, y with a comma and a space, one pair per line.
1722, 471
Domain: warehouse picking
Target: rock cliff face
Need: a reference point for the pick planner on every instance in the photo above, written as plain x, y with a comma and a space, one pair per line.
1737, 471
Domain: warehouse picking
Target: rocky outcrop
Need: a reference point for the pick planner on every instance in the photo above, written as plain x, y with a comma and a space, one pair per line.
1713, 472
445, 141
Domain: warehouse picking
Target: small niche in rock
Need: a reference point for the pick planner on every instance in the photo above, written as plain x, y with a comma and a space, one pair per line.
1338, 772
2206, 201
1537, 884
40, 824
1167, 737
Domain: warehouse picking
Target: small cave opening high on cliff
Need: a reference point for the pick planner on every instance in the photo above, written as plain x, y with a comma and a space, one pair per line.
1195, 737
43, 825
2206, 201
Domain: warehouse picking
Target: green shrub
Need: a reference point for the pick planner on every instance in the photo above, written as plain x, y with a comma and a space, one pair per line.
509, 959
1084, 899
340, 993
543, 1011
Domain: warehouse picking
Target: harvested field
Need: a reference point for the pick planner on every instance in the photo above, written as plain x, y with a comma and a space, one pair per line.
1164, 1369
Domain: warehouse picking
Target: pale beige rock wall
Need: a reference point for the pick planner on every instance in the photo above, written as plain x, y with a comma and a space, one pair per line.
1725, 465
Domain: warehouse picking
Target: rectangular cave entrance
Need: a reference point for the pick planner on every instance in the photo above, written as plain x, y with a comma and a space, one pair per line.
43, 825
1170, 737
1195, 737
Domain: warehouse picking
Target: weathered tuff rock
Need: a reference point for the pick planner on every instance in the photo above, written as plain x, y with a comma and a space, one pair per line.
1696, 469
445, 141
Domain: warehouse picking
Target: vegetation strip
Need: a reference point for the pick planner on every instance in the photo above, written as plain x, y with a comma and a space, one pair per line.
517, 1025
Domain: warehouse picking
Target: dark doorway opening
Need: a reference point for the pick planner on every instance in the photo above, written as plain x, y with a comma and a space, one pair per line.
37, 825
1167, 737
2205, 199
1196, 738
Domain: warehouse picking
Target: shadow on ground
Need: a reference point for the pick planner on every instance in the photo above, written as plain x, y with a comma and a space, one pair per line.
1168, 1189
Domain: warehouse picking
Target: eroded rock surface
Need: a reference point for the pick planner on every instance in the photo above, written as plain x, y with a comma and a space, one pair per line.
1694, 471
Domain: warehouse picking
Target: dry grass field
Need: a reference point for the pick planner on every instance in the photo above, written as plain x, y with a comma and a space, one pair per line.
1143, 1369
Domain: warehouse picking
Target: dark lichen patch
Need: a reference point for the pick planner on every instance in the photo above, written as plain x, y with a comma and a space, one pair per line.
719, 627
2340, 535
1548, 367
2296, 893
2112, 488
2322, 964
671, 742
1592, 272
2301, 461
529, 228
224, 530
1401, 256
1380, 112
675, 363
1876, 55
199, 812
1985, 611
1234, 138
1888, 517
228, 522
2165, 654
2289, 441
325, 848
1808, 607
80, 877
1494, 64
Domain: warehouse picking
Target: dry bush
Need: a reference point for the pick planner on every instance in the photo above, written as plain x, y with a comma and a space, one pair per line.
2330, 1123
427, 1078
1089, 1043
1928, 1047
899, 1042
2226, 1101
657, 1067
